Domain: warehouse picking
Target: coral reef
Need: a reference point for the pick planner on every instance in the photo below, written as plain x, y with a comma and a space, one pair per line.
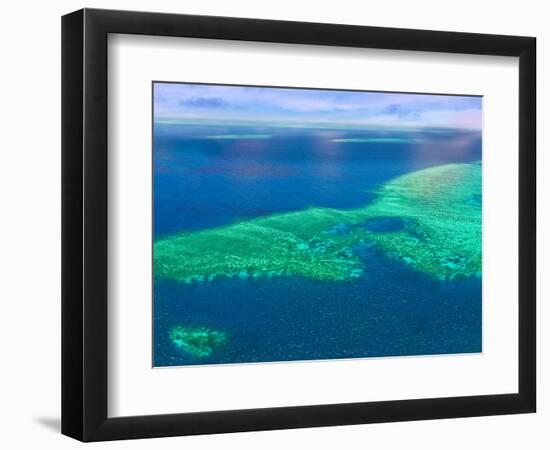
441, 207
429, 219
197, 341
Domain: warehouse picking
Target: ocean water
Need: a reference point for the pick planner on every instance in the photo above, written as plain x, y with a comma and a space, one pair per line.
212, 176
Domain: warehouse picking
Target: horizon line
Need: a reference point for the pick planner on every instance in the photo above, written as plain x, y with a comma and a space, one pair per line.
168, 120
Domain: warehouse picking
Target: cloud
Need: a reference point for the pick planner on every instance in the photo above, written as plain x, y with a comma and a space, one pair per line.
402, 111
249, 103
204, 102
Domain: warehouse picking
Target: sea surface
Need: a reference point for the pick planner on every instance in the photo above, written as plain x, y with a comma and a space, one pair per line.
207, 176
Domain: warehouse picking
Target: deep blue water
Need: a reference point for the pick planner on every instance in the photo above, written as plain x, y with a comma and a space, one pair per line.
201, 182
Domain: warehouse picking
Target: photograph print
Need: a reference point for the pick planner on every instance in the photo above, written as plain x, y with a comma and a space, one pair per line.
300, 224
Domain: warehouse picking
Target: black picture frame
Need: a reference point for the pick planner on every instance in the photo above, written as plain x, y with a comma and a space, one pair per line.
84, 224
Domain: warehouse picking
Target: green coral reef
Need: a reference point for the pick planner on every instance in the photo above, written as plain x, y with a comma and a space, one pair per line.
429, 219
197, 341
442, 209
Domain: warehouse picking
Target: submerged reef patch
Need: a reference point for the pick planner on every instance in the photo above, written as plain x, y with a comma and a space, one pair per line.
442, 235
425, 219
385, 224
197, 341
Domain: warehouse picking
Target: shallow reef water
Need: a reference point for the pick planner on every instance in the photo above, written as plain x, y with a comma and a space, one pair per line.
385, 224
425, 218
197, 341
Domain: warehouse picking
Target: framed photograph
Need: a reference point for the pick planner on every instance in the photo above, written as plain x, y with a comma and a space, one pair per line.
273, 224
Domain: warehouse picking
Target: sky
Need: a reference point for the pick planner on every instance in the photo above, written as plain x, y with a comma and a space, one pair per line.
294, 107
